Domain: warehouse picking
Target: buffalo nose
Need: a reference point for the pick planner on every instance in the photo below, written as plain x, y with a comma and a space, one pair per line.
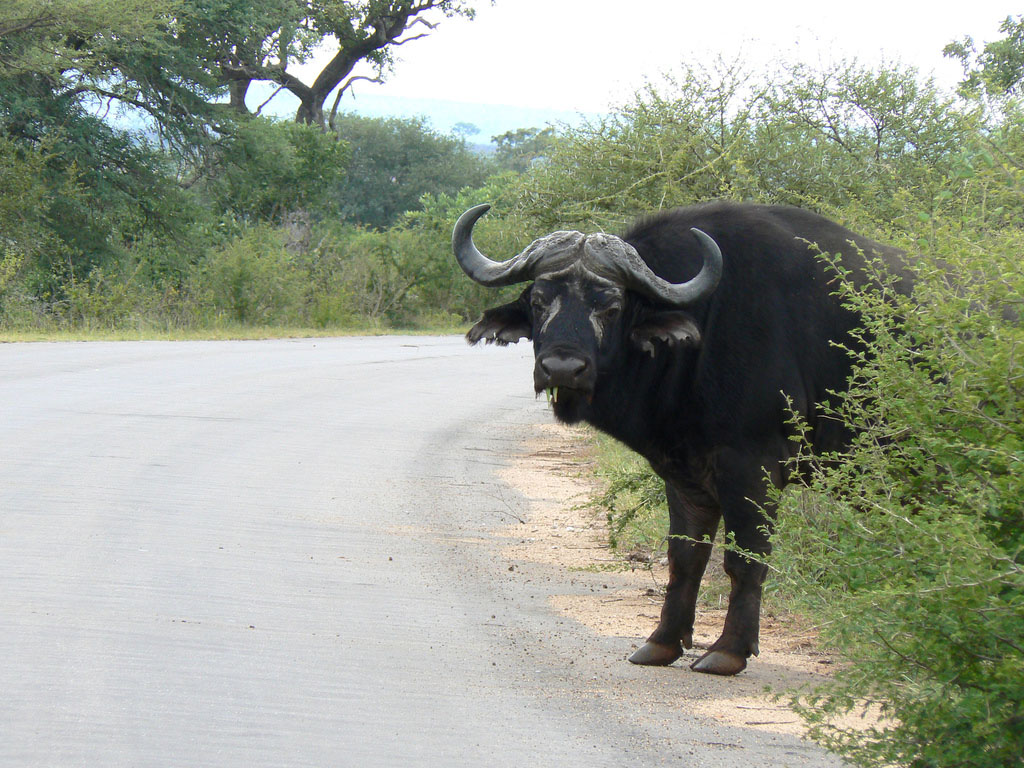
562, 370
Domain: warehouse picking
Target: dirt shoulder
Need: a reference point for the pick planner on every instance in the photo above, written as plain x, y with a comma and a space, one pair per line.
559, 528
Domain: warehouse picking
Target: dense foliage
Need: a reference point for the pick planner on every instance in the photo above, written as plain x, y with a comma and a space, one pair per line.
138, 179
998, 69
908, 549
394, 163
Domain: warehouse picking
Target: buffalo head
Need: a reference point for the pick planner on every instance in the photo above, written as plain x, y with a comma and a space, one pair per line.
590, 300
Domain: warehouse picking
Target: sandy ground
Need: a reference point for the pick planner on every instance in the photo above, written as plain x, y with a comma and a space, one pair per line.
555, 474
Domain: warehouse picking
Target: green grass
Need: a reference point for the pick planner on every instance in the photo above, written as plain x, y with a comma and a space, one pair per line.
633, 499
222, 333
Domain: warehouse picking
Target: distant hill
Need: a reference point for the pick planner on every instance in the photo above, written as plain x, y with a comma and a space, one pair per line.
445, 117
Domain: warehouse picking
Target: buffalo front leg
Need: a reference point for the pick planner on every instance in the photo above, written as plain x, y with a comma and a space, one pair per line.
692, 528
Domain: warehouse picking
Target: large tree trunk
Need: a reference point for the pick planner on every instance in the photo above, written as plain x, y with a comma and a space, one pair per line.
311, 107
387, 32
237, 90
311, 112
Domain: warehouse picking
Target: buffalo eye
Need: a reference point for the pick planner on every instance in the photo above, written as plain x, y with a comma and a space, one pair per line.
538, 301
607, 306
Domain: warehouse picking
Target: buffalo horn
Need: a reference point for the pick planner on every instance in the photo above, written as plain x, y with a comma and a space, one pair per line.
613, 252
480, 268
643, 280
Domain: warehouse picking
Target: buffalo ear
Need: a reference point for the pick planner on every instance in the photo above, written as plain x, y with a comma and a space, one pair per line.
502, 325
673, 329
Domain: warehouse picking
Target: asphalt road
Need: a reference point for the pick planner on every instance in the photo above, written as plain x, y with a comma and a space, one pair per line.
282, 554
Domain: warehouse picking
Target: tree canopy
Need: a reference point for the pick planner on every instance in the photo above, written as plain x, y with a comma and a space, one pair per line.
395, 161
998, 69
187, 64
264, 40
129, 154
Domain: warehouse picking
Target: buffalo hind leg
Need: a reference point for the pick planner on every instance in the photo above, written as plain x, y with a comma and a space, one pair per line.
690, 525
743, 501
739, 639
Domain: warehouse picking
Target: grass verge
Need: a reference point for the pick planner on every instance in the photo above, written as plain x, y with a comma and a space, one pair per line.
224, 333
633, 500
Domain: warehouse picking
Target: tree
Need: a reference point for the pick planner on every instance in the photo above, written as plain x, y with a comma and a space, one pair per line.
820, 138
999, 69
23, 195
85, 87
517, 150
132, 173
265, 170
850, 132
665, 147
267, 40
395, 161
99, 56
465, 130
175, 60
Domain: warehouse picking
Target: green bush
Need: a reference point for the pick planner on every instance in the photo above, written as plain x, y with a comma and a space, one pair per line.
373, 276
25, 238
672, 144
500, 234
909, 547
633, 499
252, 279
826, 139
262, 170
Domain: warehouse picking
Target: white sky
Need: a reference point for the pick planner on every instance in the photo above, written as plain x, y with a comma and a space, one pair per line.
587, 55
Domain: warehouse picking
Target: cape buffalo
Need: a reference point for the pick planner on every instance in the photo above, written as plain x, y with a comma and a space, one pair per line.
691, 339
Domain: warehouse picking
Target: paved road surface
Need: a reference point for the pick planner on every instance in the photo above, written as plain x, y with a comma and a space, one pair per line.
277, 554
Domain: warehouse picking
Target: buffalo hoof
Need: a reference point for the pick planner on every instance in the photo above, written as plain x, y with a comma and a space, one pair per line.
719, 663
656, 654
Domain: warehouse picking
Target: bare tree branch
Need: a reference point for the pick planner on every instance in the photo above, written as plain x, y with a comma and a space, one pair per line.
269, 99
396, 43
341, 91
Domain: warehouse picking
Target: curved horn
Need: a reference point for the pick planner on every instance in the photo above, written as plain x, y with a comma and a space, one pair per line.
680, 294
480, 268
